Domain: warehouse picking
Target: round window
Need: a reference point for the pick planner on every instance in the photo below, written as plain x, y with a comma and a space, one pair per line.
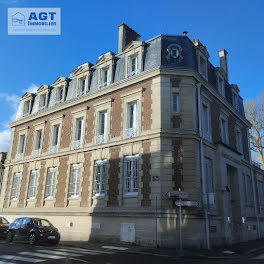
175, 52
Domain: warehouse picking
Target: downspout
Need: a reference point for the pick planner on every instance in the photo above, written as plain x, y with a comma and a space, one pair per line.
202, 168
254, 181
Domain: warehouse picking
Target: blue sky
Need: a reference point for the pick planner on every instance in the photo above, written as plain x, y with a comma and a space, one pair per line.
89, 28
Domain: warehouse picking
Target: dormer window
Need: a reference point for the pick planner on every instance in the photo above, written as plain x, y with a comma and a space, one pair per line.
203, 67
221, 86
104, 77
26, 108
42, 101
235, 100
59, 97
133, 67
202, 58
81, 87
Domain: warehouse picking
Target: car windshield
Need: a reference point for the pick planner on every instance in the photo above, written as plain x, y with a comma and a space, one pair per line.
42, 223
3, 221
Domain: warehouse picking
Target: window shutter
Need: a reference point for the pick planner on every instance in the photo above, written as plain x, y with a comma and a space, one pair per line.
95, 185
135, 116
128, 113
129, 66
136, 65
99, 121
105, 125
125, 175
108, 77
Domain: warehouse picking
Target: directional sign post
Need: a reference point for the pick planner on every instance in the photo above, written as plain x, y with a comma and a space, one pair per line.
187, 203
180, 194
180, 224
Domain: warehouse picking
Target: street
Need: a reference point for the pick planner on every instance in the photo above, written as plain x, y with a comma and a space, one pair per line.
24, 253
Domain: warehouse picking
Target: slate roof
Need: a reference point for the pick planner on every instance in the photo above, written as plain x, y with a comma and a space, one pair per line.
155, 55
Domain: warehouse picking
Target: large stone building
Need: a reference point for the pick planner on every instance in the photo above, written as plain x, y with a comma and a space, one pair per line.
96, 152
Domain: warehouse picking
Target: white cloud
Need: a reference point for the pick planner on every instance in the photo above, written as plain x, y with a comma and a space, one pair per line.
4, 140
32, 88
12, 101
9, 2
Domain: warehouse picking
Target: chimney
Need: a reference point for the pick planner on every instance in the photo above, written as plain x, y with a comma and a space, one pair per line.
223, 61
125, 36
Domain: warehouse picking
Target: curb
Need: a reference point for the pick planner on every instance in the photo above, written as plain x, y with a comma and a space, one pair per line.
146, 253
255, 251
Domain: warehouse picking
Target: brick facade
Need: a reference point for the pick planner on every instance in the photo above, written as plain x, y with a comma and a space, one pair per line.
41, 184
86, 182
113, 180
62, 179
146, 178
24, 186
177, 153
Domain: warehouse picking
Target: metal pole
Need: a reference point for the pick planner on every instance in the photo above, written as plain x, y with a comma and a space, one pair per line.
180, 224
156, 222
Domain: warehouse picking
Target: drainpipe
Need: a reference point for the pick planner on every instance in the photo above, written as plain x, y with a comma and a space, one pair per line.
255, 196
254, 180
202, 167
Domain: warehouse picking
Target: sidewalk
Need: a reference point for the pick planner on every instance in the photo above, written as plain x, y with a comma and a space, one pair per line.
249, 248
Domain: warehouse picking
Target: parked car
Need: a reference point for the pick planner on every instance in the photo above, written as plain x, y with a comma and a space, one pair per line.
4, 224
33, 230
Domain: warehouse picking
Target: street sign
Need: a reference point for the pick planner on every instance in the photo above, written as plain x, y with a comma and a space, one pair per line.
180, 194
187, 203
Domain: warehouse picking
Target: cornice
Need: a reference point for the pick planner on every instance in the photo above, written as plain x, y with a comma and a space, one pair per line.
92, 95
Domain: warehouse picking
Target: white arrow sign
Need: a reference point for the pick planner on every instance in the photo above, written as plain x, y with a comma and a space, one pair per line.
180, 194
187, 203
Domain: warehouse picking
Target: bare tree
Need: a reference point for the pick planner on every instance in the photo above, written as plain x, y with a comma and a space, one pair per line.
254, 110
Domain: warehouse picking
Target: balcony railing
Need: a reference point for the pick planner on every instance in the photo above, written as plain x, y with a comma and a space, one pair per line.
53, 149
77, 144
19, 156
100, 139
36, 153
130, 132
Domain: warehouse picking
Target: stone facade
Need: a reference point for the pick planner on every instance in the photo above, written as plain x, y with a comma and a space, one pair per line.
110, 141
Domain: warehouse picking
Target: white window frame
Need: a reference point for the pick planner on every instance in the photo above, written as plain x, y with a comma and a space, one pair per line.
41, 105
130, 71
221, 85
32, 184
239, 141
175, 97
102, 138
75, 182
20, 149
224, 130
104, 83
50, 183
235, 100
131, 182
54, 148
82, 83
58, 101
15, 186
99, 178
203, 70
210, 193
249, 190
26, 103
77, 142
131, 124
260, 186
206, 130
38, 141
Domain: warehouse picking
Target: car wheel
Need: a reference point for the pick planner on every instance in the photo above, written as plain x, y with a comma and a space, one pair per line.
55, 243
9, 237
32, 239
